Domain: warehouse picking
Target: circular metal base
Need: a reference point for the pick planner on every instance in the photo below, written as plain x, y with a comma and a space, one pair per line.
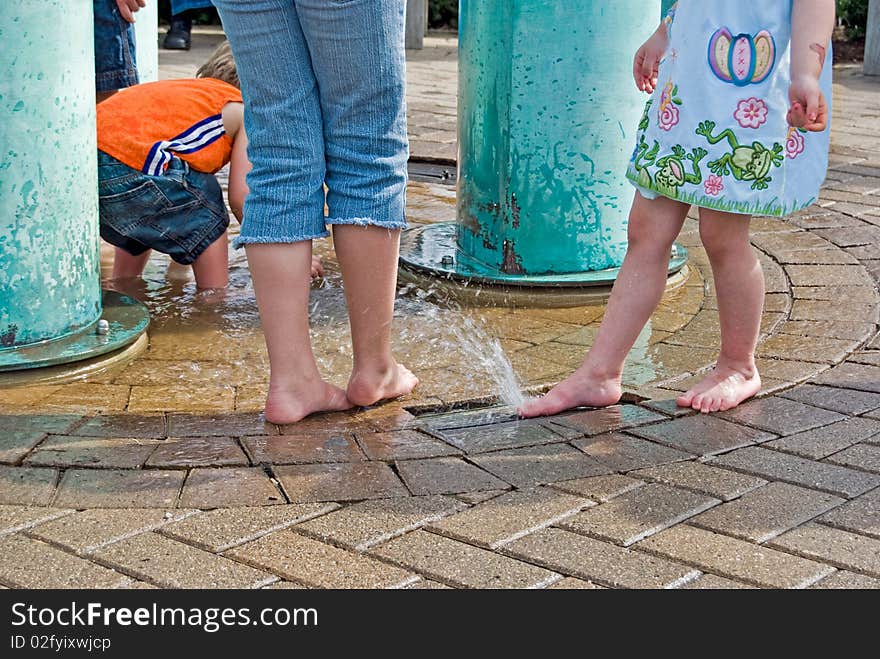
122, 321
429, 256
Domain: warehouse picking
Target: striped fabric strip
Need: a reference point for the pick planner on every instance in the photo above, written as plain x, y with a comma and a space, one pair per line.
196, 137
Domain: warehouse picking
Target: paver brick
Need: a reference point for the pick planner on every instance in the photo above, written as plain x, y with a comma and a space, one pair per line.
598, 488
218, 487
15, 444
536, 465
622, 452
89, 530
781, 416
517, 434
845, 580
208, 425
600, 562
767, 512
68, 451
403, 445
17, 518
302, 448
840, 548
701, 434
714, 582
821, 442
570, 583
862, 456
197, 452
461, 565
735, 559
445, 476
112, 426
510, 516
29, 563
56, 424
367, 523
350, 481
224, 528
607, 419
852, 376
774, 465
637, 514
118, 488
171, 564
318, 565
861, 515
719, 483
27, 486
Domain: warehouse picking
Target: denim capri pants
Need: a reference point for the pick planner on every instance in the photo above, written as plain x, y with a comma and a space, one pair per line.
115, 64
179, 213
324, 90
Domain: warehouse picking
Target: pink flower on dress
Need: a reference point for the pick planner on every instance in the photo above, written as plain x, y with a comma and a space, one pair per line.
713, 185
751, 113
794, 143
667, 112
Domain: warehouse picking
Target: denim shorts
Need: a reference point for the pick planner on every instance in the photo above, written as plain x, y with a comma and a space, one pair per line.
323, 86
179, 213
115, 63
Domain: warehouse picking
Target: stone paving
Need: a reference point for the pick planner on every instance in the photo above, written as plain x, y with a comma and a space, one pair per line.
156, 476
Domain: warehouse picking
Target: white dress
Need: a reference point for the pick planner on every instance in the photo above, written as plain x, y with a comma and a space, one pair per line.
714, 133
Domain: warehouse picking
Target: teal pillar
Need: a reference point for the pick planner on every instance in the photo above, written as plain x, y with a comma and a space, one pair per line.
49, 249
547, 120
50, 280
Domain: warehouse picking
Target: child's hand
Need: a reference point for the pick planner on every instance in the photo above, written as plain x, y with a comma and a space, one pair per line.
128, 7
646, 63
808, 109
317, 267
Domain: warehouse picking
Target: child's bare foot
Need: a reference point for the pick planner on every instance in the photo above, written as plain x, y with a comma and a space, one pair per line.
581, 388
366, 388
285, 406
724, 388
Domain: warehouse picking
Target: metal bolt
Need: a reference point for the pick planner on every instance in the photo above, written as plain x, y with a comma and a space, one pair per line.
447, 260
103, 327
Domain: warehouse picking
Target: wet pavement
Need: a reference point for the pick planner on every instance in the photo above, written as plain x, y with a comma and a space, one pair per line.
160, 472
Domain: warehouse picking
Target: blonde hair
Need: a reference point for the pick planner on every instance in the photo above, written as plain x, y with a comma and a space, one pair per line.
221, 66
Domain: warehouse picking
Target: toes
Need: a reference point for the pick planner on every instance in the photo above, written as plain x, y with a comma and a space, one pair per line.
715, 405
685, 399
697, 401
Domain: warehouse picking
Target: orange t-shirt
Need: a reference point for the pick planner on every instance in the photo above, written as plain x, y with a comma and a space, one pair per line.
146, 125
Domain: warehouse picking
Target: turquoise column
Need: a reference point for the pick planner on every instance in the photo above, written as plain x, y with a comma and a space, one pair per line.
49, 249
547, 119
52, 308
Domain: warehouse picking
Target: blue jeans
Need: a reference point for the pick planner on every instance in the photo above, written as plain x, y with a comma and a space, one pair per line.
179, 213
323, 85
115, 64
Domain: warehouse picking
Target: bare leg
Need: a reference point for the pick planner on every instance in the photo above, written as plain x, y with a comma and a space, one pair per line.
653, 226
368, 259
126, 265
281, 281
211, 269
739, 283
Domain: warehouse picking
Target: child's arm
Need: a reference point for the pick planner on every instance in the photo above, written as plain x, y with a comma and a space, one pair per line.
812, 22
646, 63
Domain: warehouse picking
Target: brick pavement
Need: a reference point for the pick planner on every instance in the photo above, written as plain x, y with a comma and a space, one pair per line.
126, 481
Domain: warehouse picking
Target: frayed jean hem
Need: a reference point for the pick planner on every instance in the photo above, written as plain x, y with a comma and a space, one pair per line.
242, 241
367, 222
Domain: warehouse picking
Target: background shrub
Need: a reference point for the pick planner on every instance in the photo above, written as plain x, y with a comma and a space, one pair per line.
854, 15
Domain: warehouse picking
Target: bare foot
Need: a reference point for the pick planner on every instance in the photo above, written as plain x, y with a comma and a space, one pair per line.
285, 406
724, 388
366, 388
579, 389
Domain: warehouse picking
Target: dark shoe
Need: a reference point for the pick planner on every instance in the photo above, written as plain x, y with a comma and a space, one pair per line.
178, 35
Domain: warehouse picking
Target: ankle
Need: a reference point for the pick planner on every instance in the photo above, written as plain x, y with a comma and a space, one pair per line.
745, 366
601, 372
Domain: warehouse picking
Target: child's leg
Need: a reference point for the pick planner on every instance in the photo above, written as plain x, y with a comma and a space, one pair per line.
739, 284
211, 268
653, 227
281, 280
368, 259
127, 265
